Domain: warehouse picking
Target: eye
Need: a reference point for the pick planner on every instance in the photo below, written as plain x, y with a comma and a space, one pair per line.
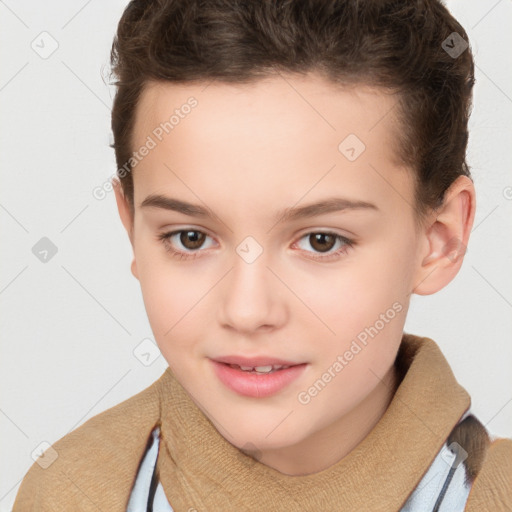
323, 242
190, 239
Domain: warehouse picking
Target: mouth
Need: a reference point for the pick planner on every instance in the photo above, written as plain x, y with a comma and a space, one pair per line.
251, 363
265, 369
257, 380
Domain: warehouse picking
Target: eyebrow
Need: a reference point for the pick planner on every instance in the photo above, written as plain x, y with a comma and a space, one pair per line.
329, 205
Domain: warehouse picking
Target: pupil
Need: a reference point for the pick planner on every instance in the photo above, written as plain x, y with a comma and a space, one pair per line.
319, 240
192, 239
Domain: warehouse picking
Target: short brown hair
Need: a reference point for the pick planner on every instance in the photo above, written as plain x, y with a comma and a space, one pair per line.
396, 44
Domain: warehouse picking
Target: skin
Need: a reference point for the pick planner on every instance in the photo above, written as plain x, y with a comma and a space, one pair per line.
246, 152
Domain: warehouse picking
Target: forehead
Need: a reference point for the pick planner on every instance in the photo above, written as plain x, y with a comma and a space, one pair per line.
294, 103
295, 133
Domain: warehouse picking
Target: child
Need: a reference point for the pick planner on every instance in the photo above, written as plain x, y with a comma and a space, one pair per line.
247, 136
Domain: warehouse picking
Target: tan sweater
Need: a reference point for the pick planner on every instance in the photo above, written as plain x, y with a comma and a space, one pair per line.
97, 463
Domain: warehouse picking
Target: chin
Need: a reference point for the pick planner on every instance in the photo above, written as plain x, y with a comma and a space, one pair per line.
264, 437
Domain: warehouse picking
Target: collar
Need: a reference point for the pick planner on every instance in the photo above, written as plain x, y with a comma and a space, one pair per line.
199, 468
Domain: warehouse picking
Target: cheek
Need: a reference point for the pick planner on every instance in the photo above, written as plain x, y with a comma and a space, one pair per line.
364, 300
382, 273
169, 295
349, 297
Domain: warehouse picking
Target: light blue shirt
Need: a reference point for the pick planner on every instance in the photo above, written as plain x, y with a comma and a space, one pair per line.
141, 492
443, 488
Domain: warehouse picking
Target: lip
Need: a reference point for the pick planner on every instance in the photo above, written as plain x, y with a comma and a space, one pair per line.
254, 361
256, 385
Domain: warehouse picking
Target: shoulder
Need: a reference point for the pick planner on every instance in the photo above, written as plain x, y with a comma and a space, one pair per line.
492, 488
94, 466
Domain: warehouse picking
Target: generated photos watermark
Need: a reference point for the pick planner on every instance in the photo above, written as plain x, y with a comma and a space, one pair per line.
356, 346
152, 140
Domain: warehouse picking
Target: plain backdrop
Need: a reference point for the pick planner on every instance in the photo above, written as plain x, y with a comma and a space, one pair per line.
70, 324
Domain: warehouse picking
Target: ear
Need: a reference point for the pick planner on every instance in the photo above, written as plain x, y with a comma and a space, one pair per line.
446, 237
127, 219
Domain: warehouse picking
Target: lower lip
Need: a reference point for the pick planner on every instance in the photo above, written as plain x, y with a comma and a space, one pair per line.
258, 385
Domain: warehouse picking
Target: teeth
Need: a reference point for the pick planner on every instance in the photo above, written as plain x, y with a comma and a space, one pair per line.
263, 369
259, 369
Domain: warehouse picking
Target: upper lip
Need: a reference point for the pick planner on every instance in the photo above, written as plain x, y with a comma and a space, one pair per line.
254, 361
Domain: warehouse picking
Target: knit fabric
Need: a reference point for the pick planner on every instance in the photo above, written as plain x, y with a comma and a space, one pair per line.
444, 487
99, 464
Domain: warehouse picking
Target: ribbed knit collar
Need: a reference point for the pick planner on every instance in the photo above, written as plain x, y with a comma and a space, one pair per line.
199, 469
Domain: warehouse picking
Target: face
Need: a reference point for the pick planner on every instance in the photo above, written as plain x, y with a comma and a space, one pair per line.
254, 270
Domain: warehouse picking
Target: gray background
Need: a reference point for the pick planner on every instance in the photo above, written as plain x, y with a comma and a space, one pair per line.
70, 325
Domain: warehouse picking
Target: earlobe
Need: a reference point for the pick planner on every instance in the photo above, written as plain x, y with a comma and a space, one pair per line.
126, 218
446, 238
134, 269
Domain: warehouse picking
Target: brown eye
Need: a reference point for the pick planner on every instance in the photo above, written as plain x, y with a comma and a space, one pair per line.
322, 242
192, 239
184, 243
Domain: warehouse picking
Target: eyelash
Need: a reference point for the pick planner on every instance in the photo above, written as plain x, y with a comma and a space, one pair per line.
165, 239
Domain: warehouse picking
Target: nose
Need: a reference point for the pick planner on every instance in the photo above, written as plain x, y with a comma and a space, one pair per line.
252, 298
